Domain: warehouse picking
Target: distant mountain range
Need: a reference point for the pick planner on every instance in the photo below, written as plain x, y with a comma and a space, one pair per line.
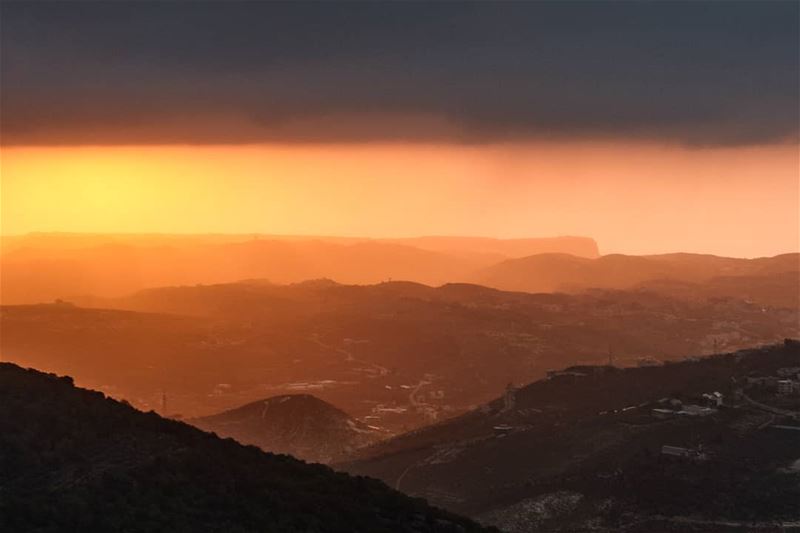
584, 450
73, 460
568, 273
42, 267
296, 424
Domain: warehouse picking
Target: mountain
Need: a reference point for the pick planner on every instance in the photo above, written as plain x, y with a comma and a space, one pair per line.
776, 290
563, 272
295, 424
584, 449
395, 355
73, 460
33, 275
578, 246
43, 267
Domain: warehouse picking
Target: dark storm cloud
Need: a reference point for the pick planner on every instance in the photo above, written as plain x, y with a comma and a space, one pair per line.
701, 73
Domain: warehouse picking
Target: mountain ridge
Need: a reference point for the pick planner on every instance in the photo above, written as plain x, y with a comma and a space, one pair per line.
562, 272
46, 267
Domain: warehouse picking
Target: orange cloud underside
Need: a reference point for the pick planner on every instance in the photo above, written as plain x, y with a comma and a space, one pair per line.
632, 198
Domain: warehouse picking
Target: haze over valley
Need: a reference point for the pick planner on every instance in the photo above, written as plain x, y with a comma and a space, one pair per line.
398, 354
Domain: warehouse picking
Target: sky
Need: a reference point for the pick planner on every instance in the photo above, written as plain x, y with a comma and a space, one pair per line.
650, 126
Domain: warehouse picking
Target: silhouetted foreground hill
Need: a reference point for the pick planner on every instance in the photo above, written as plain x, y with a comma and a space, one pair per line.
296, 424
584, 450
73, 460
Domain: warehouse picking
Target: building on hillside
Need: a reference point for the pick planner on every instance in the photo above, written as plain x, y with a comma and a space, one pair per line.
684, 453
768, 382
696, 410
663, 413
676, 451
510, 398
713, 399
785, 386
789, 372
502, 430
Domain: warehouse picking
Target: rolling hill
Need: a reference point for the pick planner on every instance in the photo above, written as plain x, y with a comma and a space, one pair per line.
300, 425
73, 460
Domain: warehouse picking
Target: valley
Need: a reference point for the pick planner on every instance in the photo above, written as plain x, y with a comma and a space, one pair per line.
395, 355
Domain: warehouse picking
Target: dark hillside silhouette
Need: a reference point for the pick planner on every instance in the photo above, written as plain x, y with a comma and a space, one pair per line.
74, 460
584, 450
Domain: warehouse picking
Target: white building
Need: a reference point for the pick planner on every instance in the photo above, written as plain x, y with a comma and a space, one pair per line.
684, 453
785, 386
713, 399
697, 410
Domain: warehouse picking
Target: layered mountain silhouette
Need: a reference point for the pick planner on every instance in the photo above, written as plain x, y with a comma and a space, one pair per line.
396, 355
43, 267
73, 460
584, 450
296, 424
563, 272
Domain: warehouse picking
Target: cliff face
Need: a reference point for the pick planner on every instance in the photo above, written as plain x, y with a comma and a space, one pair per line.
73, 460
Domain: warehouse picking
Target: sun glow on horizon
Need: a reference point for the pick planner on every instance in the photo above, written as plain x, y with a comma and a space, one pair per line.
631, 198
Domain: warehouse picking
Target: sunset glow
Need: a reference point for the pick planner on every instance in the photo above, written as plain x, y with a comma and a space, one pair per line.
377, 267
731, 201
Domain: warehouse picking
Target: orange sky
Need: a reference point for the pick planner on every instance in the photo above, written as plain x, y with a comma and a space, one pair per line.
632, 198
